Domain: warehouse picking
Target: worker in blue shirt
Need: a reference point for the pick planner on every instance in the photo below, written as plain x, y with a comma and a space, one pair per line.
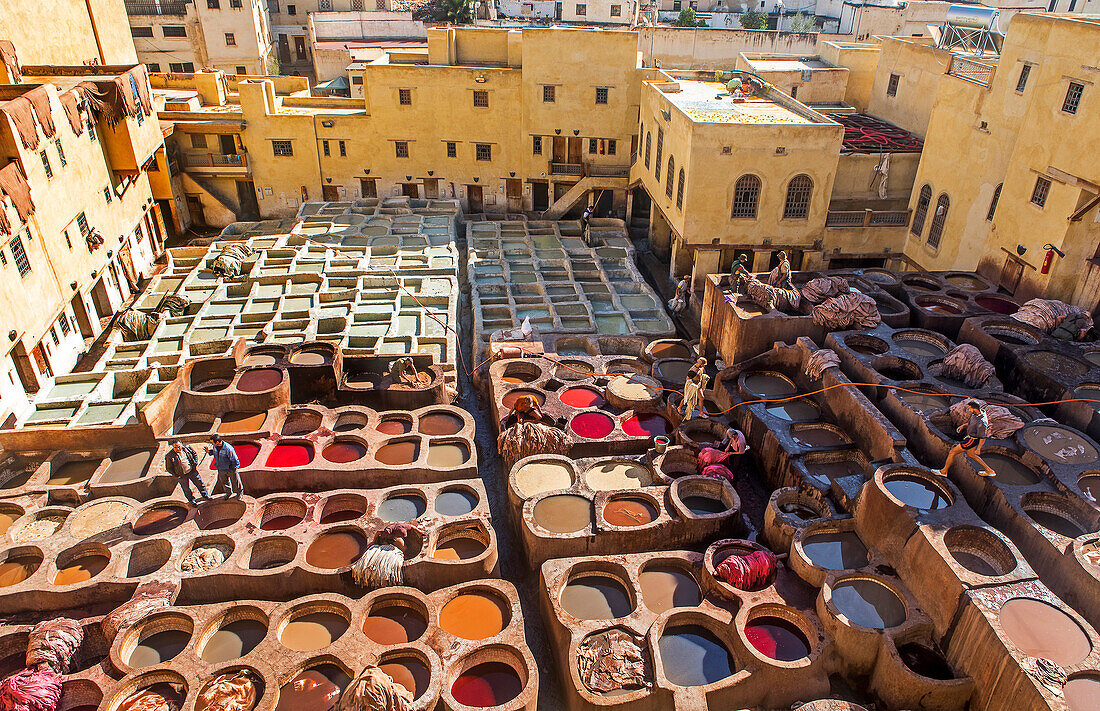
226, 462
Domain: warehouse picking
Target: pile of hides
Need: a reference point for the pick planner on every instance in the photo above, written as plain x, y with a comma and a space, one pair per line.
50, 651
374, 690
611, 661
966, 364
137, 325
147, 599
1002, 423
200, 560
820, 361
847, 311
231, 691
381, 565
754, 571
526, 438
175, 304
159, 697
31, 690
229, 261
14, 185
54, 643
1056, 318
677, 304
770, 297
817, 290
711, 462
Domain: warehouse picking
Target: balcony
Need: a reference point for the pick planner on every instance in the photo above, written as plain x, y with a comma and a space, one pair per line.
151, 7
567, 169
971, 71
581, 170
867, 218
215, 163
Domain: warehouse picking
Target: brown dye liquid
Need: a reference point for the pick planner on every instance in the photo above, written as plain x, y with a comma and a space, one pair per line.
1055, 522
335, 550
1058, 444
409, 672
768, 386
473, 616
157, 696
254, 381
259, 359
595, 597
460, 548
1056, 363
666, 587
974, 563
160, 520
398, 453
71, 473
301, 424
13, 572
126, 466
338, 515
394, 427
280, 523
309, 358
440, 423
923, 403
515, 379
242, 421
1009, 470
629, 512
510, 397
80, 570
674, 370
309, 691
566, 513
394, 624
157, 648
233, 640
803, 512
814, 437
447, 455
1039, 629
920, 348
6, 520
661, 351
313, 631
924, 661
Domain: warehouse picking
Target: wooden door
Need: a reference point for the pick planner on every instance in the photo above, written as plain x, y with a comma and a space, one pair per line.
559, 149
514, 187
411, 190
194, 206
574, 150
330, 193
473, 198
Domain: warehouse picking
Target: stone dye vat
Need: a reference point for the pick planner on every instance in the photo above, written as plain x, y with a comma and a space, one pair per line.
942, 301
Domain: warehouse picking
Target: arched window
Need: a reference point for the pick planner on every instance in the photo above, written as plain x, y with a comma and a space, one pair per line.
921, 210
680, 191
668, 177
660, 150
648, 143
746, 196
940, 216
799, 191
996, 197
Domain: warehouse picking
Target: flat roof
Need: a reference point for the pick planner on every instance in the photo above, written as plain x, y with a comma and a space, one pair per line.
787, 65
708, 102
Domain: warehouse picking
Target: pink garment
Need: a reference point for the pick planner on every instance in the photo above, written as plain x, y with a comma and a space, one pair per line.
718, 471
754, 571
31, 690
709, 455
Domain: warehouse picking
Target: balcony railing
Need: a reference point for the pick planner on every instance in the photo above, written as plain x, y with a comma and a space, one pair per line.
566, 169
151, 7
867, 218
609, 171
215, 160
970, 70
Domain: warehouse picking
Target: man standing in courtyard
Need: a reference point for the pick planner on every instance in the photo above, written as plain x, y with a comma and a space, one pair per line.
226, 462
182, 463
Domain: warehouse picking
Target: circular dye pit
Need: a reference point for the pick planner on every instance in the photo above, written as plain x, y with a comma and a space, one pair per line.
242, 422
440, 423
592, 425
280, 523
71, 473
1089, 392
674, 370
311, 356
127, 466
309, 690
539, 477
455, 502
233, 640
997, 305
837, 550
156, 696
629, 512
1082, 693
474, 616
818, 437
667, 586
396, 426
394, 624
17, 569
693, 656
766, 386
616, 475
646, 426
917, 491
254, 359
703, 505
636, 388
595, 597
486, 685
336, 550
868, 603
258, 380
979, 551
511, 396
866, 345
1059, 445
459, 548
401, 508
159, 520
409, 672
246, 453
938, 306
922, 402
571, 370
516, 376
398, 453
82, 569
581, 398
210, 385
920, 347
313, 631
924, 661
777, 638
444, 456
795, 411
7, 518
290, 455
301, 423
158, 648
566, 513
965, 281
799, 511
1089, 484
1009, 470
1056, 363
1039, 629
344, 451
660, 351
1055, 521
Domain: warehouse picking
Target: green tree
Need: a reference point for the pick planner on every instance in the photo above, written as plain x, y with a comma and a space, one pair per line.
272, 65
454, 11
687, 19
803, 23
753, 20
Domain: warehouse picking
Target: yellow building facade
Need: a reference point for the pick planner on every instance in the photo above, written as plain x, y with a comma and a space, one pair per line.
180, 36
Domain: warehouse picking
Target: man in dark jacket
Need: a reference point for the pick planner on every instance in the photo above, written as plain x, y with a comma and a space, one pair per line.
182, 463
226, 462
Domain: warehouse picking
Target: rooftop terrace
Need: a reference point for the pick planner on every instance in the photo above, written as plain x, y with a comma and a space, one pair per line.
708, 102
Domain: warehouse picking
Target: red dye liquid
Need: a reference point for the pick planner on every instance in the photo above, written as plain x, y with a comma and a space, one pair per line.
777, 638
290, 455
394, 427
1000, 306
593, 425
581, 397
280, 523
341, 515
344, 452
246, 453
646, 426
488, 684
254, 381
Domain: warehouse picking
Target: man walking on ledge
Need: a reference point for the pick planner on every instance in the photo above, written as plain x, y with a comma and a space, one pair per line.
226, 462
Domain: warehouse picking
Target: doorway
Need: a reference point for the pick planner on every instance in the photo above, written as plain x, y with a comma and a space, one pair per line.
83, 321
431, 188
559, 149
246, 197
474, 198
410, 190
228, 144
514, 190
330, 193
540, 196
300, 48
574, 150
194, 206
284, 49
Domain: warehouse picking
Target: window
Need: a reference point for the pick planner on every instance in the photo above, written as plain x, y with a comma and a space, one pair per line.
198, 140
292, 9
401, 149
212, 4
282, 148
53, 336
68, 242
668, 177
152, 67
357, 80
582, 9
601, 95
536, 145
175, 31
481, 99
240, 70
141, 31
993, 202
611, 146
921, 210
3, 259
892, 87
593, 145
46, 164
61, 154
63, 322
367, 187
548, 94
648, 136
1040, 192
660, 149
273, 6
357, 5
935, 232
405, 97
181, 67
1021, 82
230, 39
324, 5
797, 205
676, 5
483, 151
452, 149
343, 149
20, 256
324, 147
1073, 97
82, 223
235, 4
680, 191
746, 195
616, 10
107, 194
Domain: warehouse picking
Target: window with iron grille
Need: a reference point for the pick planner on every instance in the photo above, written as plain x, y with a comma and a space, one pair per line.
549, 94
82, 223
616, 10
935, 232
68, 242
401, 149
680, 191
181, 67
174, 31
61, 154
483, 151
593, 145
63, 322
46, 164
20, 256
611, 146
53, 336
1040, 191
452, 149
324, 147
536, 145
404, 97
993, 202
357, 5
107, 194
1073, 97
367, 187
648, 140
582, 9
601, 95
324, 5
212, 4
141, 31
282, 148
152, 67
230, 39
746, 195
481, 99
669, 182
799, 191
892, 86
198, 140
921, 210
236, 4
1021, 81
343, 149
660, 150
90, 124
3, 258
